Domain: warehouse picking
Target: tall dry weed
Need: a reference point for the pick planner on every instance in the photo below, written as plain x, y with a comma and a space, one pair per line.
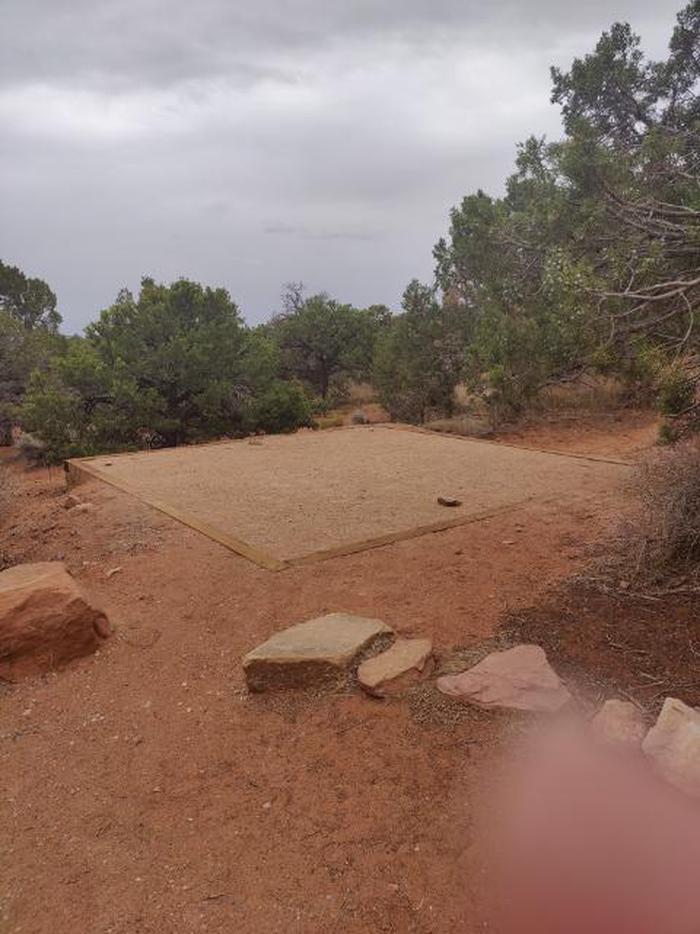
661, 539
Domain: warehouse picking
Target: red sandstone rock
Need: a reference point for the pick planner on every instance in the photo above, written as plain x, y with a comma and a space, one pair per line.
619, 723
317, 651
673, 745
45, 619
393, 670
520, 678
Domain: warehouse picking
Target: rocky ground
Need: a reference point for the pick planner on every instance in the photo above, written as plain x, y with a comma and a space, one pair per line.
145, 790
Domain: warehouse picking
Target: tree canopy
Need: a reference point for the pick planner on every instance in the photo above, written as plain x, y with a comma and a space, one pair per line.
28, 337
419, 357
30, 301
174, 364
592, 256
323, 341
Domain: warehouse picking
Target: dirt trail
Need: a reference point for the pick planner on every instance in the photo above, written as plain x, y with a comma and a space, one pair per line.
144, 791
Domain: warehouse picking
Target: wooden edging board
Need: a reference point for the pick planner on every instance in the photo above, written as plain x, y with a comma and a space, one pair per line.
75, 471
505, 444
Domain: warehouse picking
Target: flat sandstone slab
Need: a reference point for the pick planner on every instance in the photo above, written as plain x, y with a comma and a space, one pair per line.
520, 678
310, 653
387, 671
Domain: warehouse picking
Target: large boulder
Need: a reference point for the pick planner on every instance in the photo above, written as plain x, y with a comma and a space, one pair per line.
520, 678
45, 619
673, 745
311, 653
395, 669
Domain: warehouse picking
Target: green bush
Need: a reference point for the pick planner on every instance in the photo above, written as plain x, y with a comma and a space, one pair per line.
668, 433
675, 390
321, 407
282, 407
419, 358
54, 417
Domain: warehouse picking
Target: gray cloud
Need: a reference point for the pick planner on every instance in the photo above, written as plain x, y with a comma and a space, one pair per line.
156, 42
289, 230
251, 144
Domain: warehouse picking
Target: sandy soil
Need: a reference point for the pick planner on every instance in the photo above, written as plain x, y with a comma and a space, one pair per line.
294, 495
144, 792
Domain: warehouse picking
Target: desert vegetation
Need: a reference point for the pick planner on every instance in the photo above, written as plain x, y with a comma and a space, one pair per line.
656, 547
591, 258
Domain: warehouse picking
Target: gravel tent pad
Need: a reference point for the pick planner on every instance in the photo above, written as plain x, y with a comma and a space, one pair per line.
287, 499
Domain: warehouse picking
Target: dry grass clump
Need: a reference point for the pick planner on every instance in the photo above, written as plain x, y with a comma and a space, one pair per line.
361, 394
9, 488
660, 541
329, 421
359, 417
590, 394
8, 491
467, 426
30, 448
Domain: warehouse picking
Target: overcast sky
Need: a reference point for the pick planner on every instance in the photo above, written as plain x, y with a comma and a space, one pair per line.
248, 144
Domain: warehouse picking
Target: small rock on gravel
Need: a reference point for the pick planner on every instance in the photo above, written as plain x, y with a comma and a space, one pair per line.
394, 669
82, 507
520, 678
448, 501
673, 745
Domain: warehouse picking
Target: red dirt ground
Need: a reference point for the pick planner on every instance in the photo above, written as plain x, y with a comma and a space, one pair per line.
640, 648
144, 791
623, 434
